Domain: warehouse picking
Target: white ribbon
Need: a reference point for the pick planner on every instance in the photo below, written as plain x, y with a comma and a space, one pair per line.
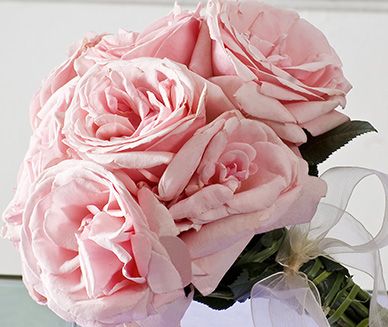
288, 298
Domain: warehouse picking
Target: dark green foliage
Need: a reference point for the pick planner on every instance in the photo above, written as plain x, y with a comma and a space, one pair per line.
345, 303
256, 262
317, 149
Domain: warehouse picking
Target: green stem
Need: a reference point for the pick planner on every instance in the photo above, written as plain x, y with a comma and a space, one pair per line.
345, 304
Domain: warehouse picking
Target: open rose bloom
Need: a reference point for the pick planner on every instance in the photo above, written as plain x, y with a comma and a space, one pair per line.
96, 256
286, 73
156, 156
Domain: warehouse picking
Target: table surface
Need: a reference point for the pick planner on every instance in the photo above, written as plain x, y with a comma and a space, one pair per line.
17, 308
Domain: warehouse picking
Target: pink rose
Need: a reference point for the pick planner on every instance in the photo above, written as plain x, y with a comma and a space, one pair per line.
59, 77
131, 115
173, 36
97, 257
45, 150
234, 178
110, 47
285, 72
136, 114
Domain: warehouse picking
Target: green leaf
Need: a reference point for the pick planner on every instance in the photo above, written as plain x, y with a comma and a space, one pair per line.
241, 285
331, 265
249, 276
221, 299
261, 247
313, 170
215, 303
317, 149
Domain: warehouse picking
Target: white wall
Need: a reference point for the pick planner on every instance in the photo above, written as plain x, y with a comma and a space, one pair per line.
34, 38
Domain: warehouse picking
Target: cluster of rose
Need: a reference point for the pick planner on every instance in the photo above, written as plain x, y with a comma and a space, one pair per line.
157, 156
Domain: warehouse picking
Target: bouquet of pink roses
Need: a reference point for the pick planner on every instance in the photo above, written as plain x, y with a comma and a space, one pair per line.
166, 165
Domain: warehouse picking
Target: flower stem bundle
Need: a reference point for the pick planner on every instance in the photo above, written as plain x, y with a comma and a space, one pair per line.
344, 302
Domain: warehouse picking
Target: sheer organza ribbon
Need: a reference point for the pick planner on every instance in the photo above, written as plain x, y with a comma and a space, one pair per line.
288, 298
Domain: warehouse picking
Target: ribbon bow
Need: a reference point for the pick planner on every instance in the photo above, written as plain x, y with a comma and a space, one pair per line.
288, 298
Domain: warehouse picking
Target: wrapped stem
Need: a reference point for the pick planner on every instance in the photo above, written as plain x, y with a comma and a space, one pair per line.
344, 302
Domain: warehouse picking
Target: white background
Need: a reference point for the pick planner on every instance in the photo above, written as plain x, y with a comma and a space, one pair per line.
34, 38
